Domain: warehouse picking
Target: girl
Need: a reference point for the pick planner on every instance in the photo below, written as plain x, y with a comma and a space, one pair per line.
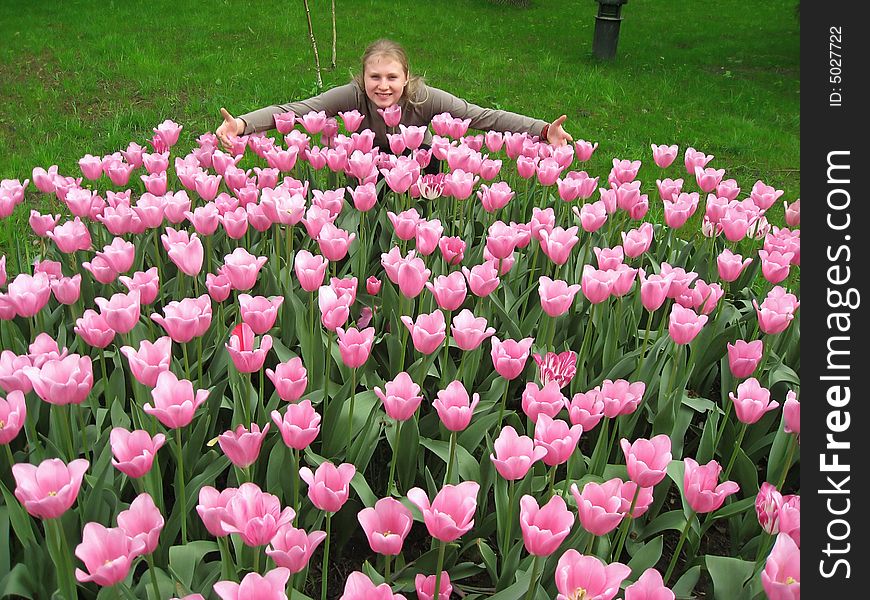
385, 81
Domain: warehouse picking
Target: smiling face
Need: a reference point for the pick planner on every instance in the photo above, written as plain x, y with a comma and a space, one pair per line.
385, 80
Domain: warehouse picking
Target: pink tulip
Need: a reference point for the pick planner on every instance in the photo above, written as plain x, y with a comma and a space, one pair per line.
334, 242
469, 331
624, 170
454, 407
544, 528
146, 283
42, 224
174, 400
405, 223
482, 279
107, 554
255, 515
13, 412
708, 179
515, 454
70, 236
411, 275
133, 452
334, 309
451, 514
776, 311
373, 285
621, 397
149, 360
597, 285
299, 426
242, 446
495, 197
386, 525
290, 379
400, 397
391, 115
359, 587
557, 244
649, 586
355, 346
212, 508
556, 296
270, 586
427, 332
449, 290
557, 438
121, 311
328, 486
50, 489
664, 155
592, 216
584, 150
29, 294
559, 368
509, 357
637, 241
427, 236
12, 375
743, 357
768, 503
425, 586
245, 357
647, 460
781, 577
599, 506
775, 265
793, 213
292, 548
578, 575
701, 489
94, 330
642, 502
185, 320
241, 268
310, 270
67, 290
791, 412
66, 380
259, 312
684, 324
752, 401
537, 401
352, 119
731, 265
142, 523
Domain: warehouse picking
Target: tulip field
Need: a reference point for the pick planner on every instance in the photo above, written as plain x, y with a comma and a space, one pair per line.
503, 379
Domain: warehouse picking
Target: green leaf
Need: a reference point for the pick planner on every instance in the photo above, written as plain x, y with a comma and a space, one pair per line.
729, 575
469, 469
18, 517
646, 557
183, 560
686, 583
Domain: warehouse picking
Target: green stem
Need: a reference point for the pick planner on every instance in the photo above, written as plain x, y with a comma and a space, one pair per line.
503, 403
553, 479
181, 492
393, 461
625, 526
199, 359
442, 547
589, 545
737, 444
296, 480
387, 563
323, 570
153, 573
350, 415
510, 519
676, 555
534, 578
447, 475
59, 547
787, 464
186, 361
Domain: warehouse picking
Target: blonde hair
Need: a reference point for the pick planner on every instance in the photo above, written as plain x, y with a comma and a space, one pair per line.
390, 49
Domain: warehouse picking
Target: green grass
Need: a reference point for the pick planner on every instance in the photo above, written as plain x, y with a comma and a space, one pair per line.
89, 77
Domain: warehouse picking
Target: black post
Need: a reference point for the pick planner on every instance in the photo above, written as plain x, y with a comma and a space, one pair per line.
607, 23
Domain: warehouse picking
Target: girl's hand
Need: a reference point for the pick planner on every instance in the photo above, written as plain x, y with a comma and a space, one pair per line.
231, 127
557, 136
